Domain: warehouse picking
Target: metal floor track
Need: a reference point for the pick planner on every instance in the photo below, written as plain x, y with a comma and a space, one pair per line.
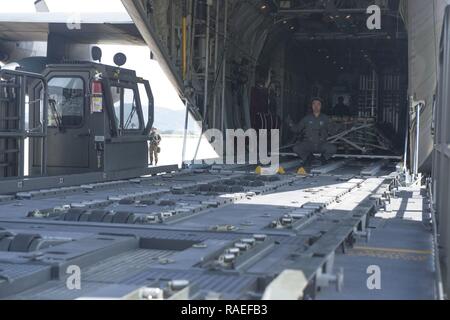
201, 234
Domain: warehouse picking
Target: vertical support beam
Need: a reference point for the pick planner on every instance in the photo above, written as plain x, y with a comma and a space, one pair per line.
21, 114
3, 107
374, 87
184, 39
192, 37
44, 130
282, 86
216, 58
207, 33
405, 155
224, 66
417, 145
186, 123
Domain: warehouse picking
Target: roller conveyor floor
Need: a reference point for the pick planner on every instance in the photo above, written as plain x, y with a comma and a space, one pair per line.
202, 234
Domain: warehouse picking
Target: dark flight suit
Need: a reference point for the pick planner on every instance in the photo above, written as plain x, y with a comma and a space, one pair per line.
342, 110
316, 131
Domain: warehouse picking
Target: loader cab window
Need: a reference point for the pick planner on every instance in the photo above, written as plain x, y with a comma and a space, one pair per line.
126, 110
66, 102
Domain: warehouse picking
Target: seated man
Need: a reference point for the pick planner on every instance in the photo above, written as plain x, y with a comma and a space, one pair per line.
315, 129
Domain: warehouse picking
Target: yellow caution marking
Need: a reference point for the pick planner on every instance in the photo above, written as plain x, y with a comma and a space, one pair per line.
301, 171
270, 171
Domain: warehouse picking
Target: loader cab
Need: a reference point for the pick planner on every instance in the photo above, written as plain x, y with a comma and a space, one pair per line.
96, 121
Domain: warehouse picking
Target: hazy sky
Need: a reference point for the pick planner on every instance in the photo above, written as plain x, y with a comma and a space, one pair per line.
24, 6
166, 97
138, 58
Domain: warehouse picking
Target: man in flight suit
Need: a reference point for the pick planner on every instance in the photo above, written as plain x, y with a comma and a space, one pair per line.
315, 129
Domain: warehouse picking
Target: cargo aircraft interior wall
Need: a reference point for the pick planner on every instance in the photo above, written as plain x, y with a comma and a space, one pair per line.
369, 73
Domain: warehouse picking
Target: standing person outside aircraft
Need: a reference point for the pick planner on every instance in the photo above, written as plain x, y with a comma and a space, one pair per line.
154, 150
